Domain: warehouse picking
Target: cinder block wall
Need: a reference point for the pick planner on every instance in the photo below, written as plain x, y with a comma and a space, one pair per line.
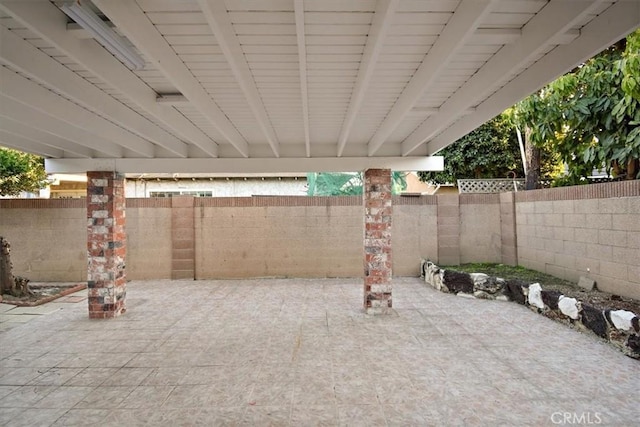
414, 233
278, 236
480, 228
149, 249
567, 232
591, 231
48, 238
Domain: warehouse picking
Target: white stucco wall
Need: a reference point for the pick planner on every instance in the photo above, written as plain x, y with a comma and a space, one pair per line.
232, 187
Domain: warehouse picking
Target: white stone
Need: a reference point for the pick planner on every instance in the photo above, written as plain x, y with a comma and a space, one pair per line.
622, 319
464, 295
478, 277
569, 307
535, 295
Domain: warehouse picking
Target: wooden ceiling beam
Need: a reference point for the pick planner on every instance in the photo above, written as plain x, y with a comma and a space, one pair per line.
298, 7
613, 24
552, 21
462, 25
382, 19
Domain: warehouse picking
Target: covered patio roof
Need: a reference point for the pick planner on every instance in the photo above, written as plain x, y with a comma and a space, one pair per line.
281, 85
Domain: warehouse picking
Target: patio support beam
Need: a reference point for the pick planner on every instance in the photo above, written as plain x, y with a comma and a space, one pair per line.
377, 241
106, 244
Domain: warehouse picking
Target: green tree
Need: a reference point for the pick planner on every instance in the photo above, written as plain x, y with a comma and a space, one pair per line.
490, 151
591, 116
20, 172
346, 184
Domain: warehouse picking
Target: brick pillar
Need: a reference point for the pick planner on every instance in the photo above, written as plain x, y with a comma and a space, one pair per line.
448, 229
508, 236
377, 241
106, 244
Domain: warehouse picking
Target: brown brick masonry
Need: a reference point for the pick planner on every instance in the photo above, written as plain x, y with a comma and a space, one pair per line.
378, 212
106, 244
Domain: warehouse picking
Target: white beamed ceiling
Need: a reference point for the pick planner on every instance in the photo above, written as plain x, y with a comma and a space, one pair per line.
367, 83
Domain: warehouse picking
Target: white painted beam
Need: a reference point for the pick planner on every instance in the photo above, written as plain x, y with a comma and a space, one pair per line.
382, 18
131, 20
218, 19
23, 90
29, 116
298, 7
45, 138
610, 26
467, 17
551, 22
243, 165
39, 66
20, 143
46, 20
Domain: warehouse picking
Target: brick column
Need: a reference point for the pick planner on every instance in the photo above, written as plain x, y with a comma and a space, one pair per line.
508, 237
377, 241
106, 245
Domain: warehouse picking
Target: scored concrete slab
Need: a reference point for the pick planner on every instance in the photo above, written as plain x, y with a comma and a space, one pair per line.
6, 307
17, 318
37, 310
302, 352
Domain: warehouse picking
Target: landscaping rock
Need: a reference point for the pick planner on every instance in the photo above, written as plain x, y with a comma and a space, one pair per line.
516, 290
486, 287
550, 298
570, 307
534, 296
594, 320
622, 319
456, 281
620, 327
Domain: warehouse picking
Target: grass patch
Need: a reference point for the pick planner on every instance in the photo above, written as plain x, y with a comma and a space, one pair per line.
512, 272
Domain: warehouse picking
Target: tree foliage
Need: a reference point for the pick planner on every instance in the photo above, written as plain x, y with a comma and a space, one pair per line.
490, 151
20, 172
591, 116
346, 184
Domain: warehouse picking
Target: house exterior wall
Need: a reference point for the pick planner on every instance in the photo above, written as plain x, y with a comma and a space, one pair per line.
220, 187
567, 232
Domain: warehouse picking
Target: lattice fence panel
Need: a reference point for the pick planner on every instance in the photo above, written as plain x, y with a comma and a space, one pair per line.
489, 185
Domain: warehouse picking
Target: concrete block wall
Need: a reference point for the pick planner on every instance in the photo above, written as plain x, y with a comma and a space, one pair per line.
48, 238
414, 233
591, 231
149, 242
568, 232
480, 235
278, 236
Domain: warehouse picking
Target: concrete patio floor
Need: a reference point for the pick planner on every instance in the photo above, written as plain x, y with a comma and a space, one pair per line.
301, 352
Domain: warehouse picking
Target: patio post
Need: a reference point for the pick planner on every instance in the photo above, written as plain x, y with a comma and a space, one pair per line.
106, 244
377, 241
